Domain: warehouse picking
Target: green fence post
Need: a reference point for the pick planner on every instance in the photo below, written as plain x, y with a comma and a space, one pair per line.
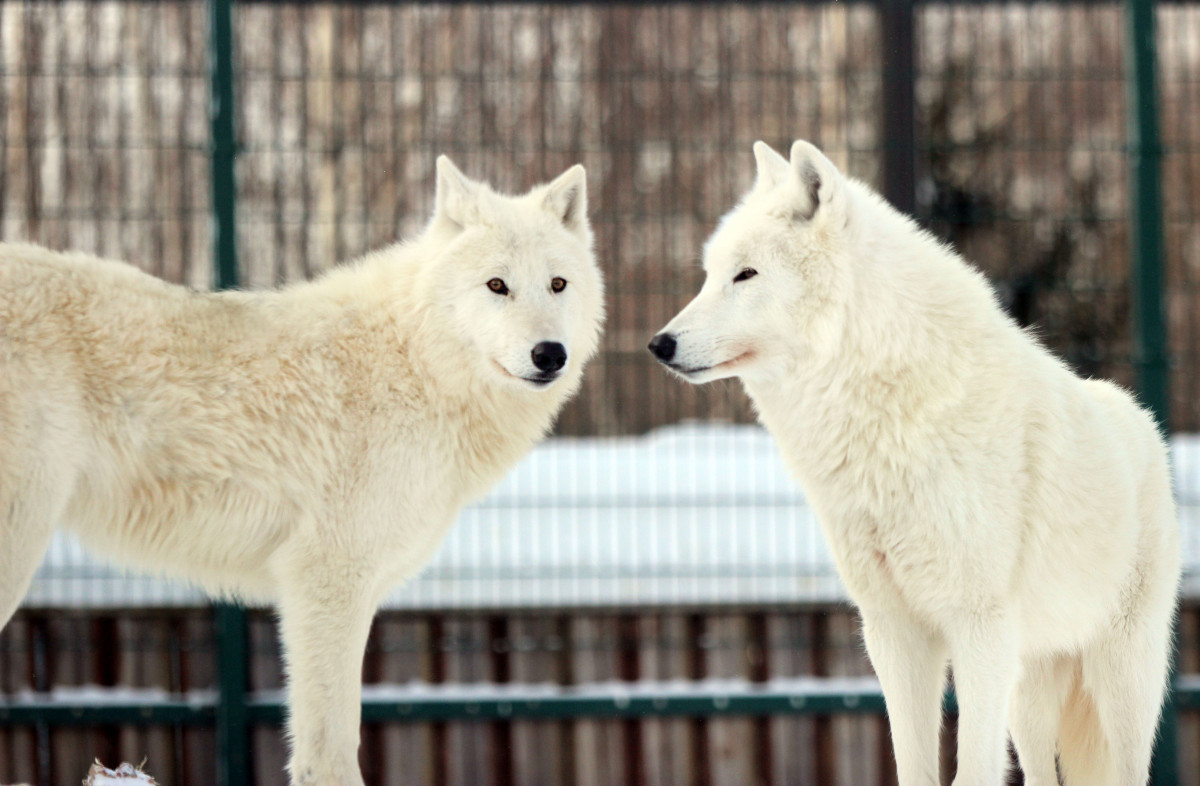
899, 99
233, 742
233, 750
224, 144
1148, 281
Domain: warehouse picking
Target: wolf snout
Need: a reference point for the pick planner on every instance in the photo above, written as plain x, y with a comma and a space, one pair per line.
549, 356
662, 347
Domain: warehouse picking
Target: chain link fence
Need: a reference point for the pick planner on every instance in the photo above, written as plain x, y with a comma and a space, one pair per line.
1019, 158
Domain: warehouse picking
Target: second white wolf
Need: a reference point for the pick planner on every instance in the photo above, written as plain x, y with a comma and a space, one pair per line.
985, 506
309, 446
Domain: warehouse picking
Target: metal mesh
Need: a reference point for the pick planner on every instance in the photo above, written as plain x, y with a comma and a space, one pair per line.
1179, 118
342, 108
104, 139
345, 107
1022, 118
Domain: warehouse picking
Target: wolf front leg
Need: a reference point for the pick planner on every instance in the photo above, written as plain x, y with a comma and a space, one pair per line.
324, 619
985, 661
910, 662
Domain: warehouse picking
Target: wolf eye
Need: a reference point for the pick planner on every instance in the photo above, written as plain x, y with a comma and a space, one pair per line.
745, 274
558, 284
498, 286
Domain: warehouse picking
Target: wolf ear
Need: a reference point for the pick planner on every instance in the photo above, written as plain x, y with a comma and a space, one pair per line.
819, 181
457, 197
566, 198
772, 167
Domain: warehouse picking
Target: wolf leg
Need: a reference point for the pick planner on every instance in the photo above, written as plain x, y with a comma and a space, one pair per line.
24, 541
325, 617
1034, 715
31, 504
1125, 673
911, 665
983, 654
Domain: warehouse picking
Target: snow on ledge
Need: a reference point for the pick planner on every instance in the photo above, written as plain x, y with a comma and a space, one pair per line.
694, 514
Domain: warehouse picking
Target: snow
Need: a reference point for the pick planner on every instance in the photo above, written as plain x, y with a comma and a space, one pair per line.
504, 697
694, 514
103, 695
609, 690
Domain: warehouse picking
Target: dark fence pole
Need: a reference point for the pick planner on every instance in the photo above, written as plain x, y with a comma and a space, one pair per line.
1148, 282
1145, 152
224, 144
1146, 209
899, 100
233, 749
233, 741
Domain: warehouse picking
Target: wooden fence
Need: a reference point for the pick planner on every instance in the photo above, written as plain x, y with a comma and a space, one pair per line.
52, 655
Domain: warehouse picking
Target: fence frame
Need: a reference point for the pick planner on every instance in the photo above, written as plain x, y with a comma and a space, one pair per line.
232, 709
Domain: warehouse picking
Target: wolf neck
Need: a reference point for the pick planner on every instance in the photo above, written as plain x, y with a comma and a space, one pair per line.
903, 354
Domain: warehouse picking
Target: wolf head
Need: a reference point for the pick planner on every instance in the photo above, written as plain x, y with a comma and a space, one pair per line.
775, 277
514, 279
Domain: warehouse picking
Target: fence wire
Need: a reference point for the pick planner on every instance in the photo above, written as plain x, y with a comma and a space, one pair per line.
342, 108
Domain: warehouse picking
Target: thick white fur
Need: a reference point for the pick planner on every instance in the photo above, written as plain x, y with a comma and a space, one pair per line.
985, 506
308, 446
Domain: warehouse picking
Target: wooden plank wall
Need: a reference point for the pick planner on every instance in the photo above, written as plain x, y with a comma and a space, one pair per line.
167, 651
173, 651
342, 108
103, 132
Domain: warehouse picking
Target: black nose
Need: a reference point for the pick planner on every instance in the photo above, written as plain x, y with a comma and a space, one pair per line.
663, 346
549, 356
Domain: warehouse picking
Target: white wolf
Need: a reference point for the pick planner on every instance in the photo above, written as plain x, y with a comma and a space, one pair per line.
308, 446
984, 505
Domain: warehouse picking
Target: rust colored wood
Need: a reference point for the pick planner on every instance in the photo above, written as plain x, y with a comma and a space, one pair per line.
758, 645
628, 670
541, 749
370, 754
824, 741
886, 759
409, 750
468, 660
173, 653
437, 676
599, 743
698, 669
501, 733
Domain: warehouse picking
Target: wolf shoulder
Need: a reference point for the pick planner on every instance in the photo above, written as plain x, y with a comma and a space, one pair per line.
1087, 420
103, 335
48, 296
88, 308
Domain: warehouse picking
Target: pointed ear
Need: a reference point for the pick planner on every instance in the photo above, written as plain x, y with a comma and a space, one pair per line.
772, 167
566, 198
818, 180
457, 196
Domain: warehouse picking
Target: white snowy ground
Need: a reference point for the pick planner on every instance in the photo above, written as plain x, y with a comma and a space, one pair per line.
693, 514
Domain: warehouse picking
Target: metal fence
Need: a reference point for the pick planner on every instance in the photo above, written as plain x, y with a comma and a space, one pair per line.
1006, 128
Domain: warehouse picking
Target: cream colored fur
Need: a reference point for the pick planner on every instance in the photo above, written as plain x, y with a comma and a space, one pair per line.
308, 447
986, 507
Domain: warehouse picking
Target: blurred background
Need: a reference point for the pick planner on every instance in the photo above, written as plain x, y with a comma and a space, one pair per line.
647, 599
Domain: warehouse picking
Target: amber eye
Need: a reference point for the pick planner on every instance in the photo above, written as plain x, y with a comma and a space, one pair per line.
498, 286
744, 274
558, 284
